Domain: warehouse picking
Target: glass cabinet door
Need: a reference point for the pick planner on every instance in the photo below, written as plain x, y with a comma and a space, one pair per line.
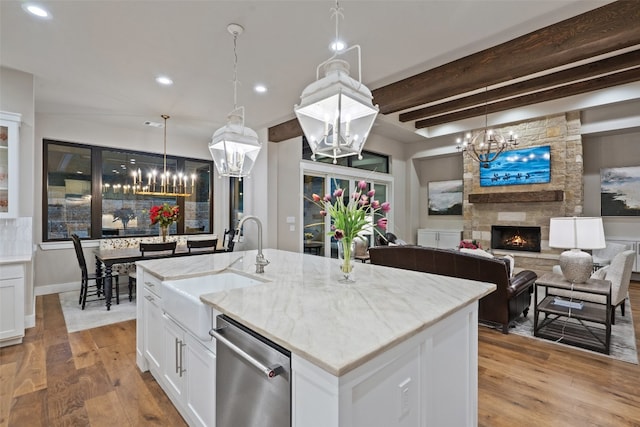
9, 125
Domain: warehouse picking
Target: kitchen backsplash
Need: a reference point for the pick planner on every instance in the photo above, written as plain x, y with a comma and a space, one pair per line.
16, 236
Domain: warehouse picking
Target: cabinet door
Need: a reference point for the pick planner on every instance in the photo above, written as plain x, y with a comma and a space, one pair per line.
153, 348
9, 164
173, 367
449, 239
428, 238
12, 309
200, 364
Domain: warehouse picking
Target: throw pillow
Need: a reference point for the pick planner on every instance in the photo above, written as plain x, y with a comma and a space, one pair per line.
600, 274
512, 263
478, 252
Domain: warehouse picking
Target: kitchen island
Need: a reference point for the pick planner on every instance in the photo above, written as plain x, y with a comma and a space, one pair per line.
395, 348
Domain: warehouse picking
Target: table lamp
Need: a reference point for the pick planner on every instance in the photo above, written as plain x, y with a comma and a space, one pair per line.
576, 233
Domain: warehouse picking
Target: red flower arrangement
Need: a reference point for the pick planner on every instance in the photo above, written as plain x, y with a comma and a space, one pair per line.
164, 214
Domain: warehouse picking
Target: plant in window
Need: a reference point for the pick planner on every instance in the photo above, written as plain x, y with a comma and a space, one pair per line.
125, 215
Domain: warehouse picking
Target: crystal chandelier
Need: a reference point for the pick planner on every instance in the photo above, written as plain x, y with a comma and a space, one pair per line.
176, 185
336, 113
485, 145
235, 147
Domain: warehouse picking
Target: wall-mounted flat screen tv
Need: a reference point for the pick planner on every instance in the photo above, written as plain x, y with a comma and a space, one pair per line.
518, 167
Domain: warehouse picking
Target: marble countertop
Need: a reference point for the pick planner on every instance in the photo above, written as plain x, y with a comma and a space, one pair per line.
304, 308
12, 259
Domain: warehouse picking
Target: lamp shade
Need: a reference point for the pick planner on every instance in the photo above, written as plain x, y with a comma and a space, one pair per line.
234, 148
576, 233
336, 113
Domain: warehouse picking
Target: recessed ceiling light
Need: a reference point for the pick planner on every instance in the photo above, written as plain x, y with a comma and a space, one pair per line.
260, 88
164, 80
36, 10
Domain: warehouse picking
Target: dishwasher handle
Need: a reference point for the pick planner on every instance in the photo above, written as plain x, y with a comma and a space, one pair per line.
268, 371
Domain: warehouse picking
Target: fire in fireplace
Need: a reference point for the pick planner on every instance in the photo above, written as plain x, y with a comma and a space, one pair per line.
515, 238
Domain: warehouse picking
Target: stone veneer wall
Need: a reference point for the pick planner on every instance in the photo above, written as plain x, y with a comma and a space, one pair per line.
562, 133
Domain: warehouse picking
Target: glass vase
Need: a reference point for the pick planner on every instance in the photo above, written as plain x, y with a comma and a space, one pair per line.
164, 232
346, 251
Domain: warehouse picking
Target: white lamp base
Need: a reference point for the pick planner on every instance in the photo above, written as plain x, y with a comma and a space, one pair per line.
576, 265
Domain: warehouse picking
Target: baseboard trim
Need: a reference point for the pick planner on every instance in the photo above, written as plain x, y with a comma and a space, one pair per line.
56, 288
29, 321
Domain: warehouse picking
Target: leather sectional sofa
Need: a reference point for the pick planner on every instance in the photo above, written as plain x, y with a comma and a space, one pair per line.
511, 298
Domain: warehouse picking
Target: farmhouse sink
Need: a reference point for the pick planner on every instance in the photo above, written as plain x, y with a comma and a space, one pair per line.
181, 299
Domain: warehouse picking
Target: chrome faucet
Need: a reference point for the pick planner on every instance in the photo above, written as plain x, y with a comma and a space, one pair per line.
261, 261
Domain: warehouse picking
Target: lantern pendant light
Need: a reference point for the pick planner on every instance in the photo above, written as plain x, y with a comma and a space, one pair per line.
235, 147
336, 112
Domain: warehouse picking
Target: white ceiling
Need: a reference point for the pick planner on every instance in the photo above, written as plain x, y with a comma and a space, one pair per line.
97, 59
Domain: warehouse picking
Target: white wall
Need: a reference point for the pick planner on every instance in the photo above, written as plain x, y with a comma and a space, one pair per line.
444, 168
606, 151
17, 96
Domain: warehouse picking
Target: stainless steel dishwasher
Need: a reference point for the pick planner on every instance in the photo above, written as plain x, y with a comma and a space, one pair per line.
253, 378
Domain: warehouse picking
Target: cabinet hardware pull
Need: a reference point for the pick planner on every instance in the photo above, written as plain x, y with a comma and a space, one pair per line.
269, 371
176, 347
182, 371
149, 284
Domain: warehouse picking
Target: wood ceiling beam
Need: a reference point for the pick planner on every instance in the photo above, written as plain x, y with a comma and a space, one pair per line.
602, 30
602, 82
283, 131
592, 69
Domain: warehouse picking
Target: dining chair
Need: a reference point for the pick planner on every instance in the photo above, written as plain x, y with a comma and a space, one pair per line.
87, 277
202, 244
145, 249
227, 241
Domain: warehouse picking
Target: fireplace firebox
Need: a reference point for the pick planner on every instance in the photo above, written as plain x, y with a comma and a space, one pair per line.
515, 238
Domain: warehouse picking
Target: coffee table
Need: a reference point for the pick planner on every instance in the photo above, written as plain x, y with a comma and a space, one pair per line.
587, 325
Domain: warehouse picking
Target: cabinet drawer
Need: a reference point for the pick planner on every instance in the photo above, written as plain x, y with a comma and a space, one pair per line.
151, 283
11, 271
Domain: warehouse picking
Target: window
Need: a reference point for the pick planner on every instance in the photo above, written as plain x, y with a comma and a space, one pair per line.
89, 191
316, 240
236, 202
370, 161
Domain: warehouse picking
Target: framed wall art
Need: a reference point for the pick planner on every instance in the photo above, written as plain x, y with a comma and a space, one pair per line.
445, 197
620, 191
518, 167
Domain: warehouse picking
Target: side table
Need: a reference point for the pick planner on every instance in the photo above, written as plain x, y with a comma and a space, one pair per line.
586, 325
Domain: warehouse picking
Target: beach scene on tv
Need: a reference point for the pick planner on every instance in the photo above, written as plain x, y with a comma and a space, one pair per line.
518, 167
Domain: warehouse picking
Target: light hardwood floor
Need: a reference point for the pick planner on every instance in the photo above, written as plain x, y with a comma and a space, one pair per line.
89, 378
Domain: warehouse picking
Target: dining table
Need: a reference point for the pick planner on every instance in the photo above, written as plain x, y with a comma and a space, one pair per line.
107, 258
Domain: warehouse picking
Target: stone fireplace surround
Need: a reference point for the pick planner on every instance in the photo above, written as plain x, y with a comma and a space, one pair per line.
508, 205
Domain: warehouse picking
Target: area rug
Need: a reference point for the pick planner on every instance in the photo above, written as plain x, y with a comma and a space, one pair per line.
623, 337
95, 312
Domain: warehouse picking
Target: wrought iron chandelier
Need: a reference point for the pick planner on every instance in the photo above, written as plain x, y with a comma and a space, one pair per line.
235, 147
176, 185
485, 145
336, 113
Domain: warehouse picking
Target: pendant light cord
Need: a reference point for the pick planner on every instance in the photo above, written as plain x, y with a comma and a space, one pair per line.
235, 71
337, 12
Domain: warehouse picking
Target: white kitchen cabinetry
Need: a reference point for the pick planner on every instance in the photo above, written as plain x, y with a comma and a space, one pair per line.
12, 281
9, 164
152, 321
183, 365
443, 239
189, 374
